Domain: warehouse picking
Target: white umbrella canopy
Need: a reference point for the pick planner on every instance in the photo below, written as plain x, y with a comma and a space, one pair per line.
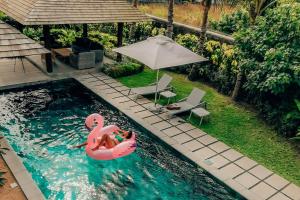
160, 52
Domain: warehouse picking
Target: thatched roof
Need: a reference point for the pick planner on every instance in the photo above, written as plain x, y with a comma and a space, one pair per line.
47, 12
14, 44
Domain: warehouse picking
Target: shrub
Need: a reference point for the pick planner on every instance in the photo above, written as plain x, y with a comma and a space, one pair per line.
33, 33
230, 23
105, 39
65, 37
189, 41
271, 53
122, 69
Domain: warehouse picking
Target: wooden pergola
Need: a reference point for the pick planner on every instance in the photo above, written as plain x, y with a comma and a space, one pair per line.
15, 45
58, 12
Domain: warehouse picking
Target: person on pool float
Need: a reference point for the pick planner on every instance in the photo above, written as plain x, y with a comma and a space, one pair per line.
109, 142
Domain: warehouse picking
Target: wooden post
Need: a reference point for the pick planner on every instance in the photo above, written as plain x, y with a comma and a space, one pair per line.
120, 39
46, 33
85, 31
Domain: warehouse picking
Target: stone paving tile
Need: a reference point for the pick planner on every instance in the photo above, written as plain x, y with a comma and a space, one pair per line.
279, 196
122, 99
172, 131
219, 147
195, 133
260, 172
125, 92
185, 127
231, 170
247, 180
245, 163
193, 145
232, 154
109, 91
92, 80
182, 138
153, 119
130, 103
277, 182
218, 161
137, 108
122, 88
207, 139
88, 80
109, 81
114, 94
144, 114
162, 125
204, 153
175, 121
164, 115
102, 87
103, 78
292, 191
142, 101
116, 84
263, 190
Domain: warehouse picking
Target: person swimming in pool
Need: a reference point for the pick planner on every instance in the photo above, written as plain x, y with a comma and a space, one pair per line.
109, 142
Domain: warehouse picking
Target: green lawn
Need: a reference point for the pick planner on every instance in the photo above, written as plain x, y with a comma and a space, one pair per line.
235, 125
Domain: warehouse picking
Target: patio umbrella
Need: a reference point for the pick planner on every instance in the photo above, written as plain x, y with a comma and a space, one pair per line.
160, 52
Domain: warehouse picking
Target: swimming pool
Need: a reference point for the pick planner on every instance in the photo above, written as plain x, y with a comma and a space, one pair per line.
42, 123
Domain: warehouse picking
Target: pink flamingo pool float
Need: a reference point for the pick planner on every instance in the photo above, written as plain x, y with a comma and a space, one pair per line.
95, 123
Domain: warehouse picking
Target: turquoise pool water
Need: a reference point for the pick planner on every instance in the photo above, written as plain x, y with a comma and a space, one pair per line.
43, 122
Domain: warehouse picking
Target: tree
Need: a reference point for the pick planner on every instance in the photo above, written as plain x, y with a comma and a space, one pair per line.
270, 55
170, 18
256, 8
135, 3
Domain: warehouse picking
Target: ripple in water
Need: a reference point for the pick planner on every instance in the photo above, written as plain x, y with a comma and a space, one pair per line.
43, 122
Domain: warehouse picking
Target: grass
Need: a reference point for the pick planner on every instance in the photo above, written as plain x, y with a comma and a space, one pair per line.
235, 125
190, 14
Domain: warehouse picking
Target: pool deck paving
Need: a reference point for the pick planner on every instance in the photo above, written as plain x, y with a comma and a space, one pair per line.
245, 176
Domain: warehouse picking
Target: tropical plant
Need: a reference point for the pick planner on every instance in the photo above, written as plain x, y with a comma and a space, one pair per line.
187, 40
122, 69
270, 51
105, 39
230, 23
65, 37
33, 33
297, 137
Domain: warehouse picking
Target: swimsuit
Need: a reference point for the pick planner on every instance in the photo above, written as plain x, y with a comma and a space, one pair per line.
118, 138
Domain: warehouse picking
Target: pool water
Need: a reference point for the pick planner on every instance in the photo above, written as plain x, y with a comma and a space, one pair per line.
43, 122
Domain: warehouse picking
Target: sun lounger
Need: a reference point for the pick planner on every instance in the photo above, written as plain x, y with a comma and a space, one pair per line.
192, 101
163, 84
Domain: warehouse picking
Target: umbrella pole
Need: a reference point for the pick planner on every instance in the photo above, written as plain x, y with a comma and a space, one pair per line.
157, 74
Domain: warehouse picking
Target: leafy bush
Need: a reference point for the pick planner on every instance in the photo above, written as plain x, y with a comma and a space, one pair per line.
65, 37
105, 39
270, 51
189, 41
122, 69
33, 33
3, 17
230, 23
